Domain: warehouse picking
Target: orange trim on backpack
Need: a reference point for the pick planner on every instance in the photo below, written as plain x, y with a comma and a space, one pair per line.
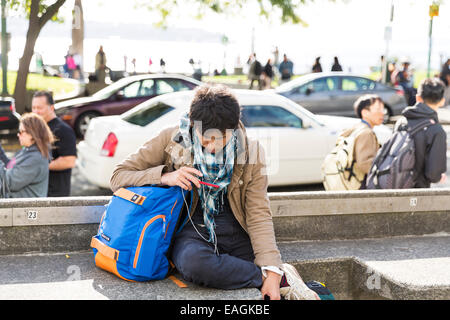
171, 211
108, 252
138, 249
108, 264
178, 282
130, 196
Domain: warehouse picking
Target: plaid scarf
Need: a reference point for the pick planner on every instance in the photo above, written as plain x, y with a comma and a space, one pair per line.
216, 169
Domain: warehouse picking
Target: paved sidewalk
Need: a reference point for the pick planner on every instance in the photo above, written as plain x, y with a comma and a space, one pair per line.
410, 267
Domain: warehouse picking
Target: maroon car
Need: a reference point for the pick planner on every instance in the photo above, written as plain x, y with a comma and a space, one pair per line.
119, 97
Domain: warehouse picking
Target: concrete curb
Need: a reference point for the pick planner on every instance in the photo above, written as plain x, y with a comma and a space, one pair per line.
52, 224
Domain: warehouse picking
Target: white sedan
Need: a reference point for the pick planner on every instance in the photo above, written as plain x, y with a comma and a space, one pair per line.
295, 140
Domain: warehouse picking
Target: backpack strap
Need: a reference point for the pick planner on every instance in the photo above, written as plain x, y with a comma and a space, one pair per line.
130, 196
175, 280
422, 125
178, 282
105, 250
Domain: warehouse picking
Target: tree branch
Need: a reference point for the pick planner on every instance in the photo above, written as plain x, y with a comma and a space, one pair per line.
50, 12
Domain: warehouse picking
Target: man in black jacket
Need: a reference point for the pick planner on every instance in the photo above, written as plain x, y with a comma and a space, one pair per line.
431, 142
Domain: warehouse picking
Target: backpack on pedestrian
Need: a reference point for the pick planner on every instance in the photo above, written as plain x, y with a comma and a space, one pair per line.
338, 171
136, 232
258, 68
393, 166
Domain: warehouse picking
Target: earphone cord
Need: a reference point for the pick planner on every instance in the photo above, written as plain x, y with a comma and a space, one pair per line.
216, 251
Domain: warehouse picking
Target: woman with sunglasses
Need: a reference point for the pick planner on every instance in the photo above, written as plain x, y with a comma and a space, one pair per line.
26, 174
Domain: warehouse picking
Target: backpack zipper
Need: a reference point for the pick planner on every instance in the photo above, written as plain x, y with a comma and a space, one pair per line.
149, 222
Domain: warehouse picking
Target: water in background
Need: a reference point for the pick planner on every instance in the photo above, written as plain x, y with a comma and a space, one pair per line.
178, 45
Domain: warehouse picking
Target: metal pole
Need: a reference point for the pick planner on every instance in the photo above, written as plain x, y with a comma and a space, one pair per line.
386, 55
253, 41
429, 47
4, 51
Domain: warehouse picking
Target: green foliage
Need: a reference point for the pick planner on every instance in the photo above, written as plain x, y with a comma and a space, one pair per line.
24, 6
288, 9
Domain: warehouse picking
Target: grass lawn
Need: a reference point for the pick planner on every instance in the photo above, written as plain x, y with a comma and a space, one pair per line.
59, 86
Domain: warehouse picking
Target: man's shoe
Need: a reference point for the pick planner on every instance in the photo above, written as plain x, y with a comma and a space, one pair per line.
292, 286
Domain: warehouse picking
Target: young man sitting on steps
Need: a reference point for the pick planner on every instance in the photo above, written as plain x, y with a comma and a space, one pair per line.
230, 241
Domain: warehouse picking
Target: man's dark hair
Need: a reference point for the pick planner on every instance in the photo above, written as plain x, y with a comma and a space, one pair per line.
364, 102
216, 107
47, 94
431, 90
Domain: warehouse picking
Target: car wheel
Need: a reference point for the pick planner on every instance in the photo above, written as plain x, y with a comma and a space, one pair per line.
83, 121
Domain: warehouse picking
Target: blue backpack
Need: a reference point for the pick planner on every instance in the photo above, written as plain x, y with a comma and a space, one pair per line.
136, 232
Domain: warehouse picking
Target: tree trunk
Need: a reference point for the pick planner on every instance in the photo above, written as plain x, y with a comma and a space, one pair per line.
78, 32
34, 28
20, 90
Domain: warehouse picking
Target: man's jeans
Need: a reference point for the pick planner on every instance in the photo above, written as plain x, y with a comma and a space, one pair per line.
197, 262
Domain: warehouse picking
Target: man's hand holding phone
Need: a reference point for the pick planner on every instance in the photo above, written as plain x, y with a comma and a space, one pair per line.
183, 177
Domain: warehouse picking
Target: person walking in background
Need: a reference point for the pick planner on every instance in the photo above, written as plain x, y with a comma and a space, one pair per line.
254, 73
71, 66
133, 62
317, 67
445, 78
267, 75
100, 65
162, 64
430, 143
404, 80
276, 57
64, 153
336, 65
26, 174
370, 109
286, 69
150, 62
358, 141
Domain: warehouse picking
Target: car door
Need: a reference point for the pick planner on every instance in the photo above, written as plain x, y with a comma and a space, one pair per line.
318, 96
124, 99
294, 152
351, 89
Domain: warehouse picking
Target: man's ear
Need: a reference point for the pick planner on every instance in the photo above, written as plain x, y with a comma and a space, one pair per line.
419, 98
364, 113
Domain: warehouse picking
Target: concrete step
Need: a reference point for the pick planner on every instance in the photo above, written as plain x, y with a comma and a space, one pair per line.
390, 268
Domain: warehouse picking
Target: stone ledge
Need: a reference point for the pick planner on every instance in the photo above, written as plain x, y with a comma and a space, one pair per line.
357, 269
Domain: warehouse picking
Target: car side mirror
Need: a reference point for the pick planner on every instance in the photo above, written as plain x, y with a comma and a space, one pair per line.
309, 91
120, 95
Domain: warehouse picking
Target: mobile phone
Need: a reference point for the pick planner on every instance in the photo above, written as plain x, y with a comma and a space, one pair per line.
209, 184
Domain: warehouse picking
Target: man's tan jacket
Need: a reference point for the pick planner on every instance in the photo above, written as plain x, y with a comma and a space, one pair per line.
247, 191
365, 148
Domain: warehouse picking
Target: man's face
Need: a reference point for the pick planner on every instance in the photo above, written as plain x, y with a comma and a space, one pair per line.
40, 106
213, 139
375, 114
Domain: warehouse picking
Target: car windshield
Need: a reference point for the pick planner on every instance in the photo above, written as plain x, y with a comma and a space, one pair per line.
109, 90
144, 116
288, 86
306, 113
